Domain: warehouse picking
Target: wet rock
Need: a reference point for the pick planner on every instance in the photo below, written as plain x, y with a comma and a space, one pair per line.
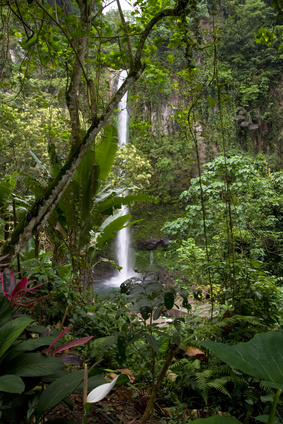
153, 243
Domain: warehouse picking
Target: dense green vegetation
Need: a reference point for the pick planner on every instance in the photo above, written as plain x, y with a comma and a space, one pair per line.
202, 173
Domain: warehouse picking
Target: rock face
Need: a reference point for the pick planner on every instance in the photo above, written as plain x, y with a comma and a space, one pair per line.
153, 243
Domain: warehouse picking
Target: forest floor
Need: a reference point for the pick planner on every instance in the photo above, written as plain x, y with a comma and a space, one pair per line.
119, 407
126, 405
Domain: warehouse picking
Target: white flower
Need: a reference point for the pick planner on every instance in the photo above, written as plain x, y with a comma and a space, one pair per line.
100, 392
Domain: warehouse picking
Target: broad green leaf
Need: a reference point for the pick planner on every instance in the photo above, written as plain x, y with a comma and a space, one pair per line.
169, 299
87, 176
66, 207
34, 365
105, 151
93, 382
11, 384
33, 344
145, 311
11, 331
261, 357
122, 379
158, 312
153, 343
264, 419
278, 386
33, 185
58, 391
217, 419
5, 310
111, 199
110, 228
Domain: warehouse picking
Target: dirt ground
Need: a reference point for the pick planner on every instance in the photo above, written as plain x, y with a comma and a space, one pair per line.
122, 405
118, 407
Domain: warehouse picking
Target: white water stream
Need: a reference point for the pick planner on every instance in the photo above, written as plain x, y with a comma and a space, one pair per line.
122, 241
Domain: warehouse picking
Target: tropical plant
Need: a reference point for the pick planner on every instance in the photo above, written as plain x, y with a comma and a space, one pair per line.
261, 357
28, 362
22, 365
14, 290
74, 36
242, 212
144, 302
95, 217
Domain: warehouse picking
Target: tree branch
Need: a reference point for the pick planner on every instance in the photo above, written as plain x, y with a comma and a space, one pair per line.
176, 11
66, 35
43, 207
126, 33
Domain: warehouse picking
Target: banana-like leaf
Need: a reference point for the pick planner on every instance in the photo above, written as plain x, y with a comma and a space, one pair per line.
117, 201
217, 419
87, 178
261, 357
107, 192
11, 384
110, 228
94, 166
33, 365
11, 331
105, 151
66, 207
58, 391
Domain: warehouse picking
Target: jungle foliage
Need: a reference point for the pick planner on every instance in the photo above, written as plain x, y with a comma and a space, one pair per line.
199, 332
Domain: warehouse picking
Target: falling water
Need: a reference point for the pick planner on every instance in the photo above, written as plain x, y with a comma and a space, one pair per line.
151, 257
122, 242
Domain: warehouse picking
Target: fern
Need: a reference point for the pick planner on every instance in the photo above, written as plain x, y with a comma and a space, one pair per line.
179, 365
205, 383
202, 378
218, 384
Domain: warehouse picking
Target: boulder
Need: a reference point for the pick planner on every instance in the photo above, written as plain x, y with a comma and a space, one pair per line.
153, 243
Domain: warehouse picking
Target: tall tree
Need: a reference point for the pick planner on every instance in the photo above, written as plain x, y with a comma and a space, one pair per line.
73, 39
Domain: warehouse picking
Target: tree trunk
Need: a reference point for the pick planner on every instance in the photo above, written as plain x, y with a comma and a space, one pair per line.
43, 207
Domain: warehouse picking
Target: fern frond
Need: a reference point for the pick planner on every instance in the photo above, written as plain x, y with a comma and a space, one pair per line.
263, 385
179, 364
218, 385
202, 378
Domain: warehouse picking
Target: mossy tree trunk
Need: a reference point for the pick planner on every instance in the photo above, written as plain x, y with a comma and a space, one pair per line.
45, 205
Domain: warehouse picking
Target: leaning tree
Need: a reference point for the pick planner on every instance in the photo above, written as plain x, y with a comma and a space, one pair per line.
72, 37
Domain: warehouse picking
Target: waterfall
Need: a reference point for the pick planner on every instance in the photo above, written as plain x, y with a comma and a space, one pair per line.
122, 241
151, 257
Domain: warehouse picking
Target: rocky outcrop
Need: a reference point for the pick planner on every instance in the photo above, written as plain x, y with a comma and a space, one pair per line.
153, 243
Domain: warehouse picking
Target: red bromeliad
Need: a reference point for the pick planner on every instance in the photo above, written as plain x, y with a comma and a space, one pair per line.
15, 290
